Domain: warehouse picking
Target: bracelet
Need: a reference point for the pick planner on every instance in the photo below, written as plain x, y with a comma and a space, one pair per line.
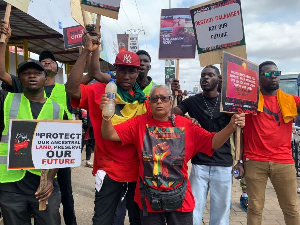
108, 118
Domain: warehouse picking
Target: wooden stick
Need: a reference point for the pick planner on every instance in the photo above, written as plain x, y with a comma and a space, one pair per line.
237, 143
176, 77
98, 23
43, 184
6, 19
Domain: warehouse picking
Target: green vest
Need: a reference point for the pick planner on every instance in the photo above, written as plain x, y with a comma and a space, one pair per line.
148, 88
58, 95
17, 106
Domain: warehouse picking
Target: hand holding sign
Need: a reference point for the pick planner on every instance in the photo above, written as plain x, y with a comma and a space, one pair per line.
91, 40
5, 29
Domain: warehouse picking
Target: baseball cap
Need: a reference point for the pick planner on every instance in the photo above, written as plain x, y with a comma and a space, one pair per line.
46, 55
127, 58
30, 63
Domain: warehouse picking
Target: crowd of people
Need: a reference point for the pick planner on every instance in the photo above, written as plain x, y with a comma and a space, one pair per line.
141, 153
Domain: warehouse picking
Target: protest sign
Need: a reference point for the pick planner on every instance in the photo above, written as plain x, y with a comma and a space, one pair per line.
35, 144
123, 41
169, 75
109, 8
133, 43
177, 39
218, 25
73, 36
240, 86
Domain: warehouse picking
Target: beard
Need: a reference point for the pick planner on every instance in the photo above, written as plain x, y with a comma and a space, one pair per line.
272, 88
212, 86
33, 90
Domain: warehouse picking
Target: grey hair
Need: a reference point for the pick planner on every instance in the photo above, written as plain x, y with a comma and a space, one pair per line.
168, 89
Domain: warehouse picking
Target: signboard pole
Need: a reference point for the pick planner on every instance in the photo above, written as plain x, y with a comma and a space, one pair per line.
6, 19
177, 78
43, 184
238, 142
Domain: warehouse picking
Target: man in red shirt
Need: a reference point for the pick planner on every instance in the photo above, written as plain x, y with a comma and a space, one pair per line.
120, 167
267, 148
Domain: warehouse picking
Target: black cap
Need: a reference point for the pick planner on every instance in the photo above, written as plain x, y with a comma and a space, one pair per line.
46, 55
30, 63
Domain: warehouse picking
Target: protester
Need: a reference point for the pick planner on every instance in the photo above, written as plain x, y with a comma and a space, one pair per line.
210, 173
144, 81
55, 92
267, 148
19, 189
165, 143
121, 169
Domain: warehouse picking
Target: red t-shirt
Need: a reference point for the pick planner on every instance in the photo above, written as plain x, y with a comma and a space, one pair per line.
164, 152
119, 161
267, 138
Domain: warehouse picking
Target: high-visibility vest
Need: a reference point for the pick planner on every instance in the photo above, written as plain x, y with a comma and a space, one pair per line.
148, 88
17, 106
58, 95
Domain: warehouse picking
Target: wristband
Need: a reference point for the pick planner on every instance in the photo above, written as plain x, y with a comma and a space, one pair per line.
109, 118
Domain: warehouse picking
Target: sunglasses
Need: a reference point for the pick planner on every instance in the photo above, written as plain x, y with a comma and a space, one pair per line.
275, 73
162, 98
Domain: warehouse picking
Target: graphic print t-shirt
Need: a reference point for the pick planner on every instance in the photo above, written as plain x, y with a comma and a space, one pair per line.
164, 152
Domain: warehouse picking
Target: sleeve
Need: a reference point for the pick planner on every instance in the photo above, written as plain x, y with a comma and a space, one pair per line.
128, 131
16, 85
83, 102
203, 141
69, 106
184, 106
298, 80
297, 100
3, 95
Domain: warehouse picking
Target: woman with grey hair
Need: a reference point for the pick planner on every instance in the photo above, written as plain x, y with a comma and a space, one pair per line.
165, 143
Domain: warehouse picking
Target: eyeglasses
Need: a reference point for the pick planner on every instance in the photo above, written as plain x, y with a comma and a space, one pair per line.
275, 73
162, 98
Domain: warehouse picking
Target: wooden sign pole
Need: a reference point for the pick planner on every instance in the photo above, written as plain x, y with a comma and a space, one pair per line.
177, 78
43, 184
238, 142
6, 19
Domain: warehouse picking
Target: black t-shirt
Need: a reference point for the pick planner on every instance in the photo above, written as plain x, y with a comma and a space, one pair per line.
17, 88
196, 108
30, 183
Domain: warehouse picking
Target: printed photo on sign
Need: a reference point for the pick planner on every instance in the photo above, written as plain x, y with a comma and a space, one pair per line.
123, 41
20, 154
177, 39
240, 85
218, 25
44, 144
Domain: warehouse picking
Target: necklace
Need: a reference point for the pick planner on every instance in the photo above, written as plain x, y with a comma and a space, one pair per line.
210, 112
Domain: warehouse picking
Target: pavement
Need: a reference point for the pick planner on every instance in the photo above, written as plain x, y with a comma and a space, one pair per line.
83, 192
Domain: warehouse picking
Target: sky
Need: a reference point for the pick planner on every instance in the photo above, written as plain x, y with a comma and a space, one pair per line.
272, 31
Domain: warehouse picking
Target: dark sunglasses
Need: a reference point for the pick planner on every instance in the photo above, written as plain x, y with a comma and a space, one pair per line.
162, 98
269, 74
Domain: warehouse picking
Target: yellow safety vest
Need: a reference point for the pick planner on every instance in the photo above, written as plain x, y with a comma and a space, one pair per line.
58, 95
148, 88
17, 106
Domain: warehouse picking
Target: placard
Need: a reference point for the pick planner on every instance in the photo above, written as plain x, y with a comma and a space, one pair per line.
133, 43
35, 144
169, 74
240, 85
73, 36
177, 38
109, 8
218, 25
123, 42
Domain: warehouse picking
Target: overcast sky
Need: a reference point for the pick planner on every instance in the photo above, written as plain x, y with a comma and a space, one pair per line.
272, 30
